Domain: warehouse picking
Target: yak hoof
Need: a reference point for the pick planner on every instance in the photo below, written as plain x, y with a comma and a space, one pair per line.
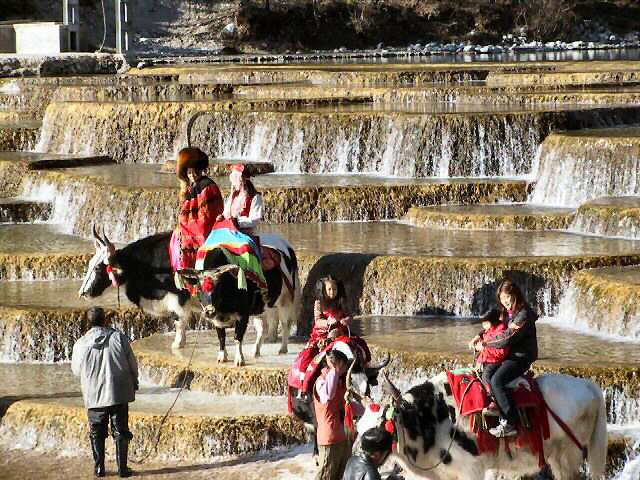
239, 361
257, 354
222, 357
283, 350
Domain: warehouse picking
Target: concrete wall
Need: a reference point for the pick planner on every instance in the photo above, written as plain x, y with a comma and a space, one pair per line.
40, 38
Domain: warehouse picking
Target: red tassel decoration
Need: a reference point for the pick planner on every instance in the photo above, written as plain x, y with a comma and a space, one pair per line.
389, 426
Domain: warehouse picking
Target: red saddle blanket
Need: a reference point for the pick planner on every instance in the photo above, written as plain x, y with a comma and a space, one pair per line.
471, 398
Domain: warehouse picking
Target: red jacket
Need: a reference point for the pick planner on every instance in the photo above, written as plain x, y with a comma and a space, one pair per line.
492, 354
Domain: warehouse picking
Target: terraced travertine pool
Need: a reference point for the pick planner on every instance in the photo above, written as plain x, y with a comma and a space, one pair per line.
418, 186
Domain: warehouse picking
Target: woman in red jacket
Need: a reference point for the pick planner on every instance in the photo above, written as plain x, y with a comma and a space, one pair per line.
201, 204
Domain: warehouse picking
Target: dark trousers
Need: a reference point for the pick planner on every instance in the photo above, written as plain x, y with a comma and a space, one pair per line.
499, 375
117, 415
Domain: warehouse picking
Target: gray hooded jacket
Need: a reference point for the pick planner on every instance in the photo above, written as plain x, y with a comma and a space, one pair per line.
107, 367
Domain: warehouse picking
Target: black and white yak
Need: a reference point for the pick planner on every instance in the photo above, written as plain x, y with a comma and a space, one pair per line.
432, 444
143, 270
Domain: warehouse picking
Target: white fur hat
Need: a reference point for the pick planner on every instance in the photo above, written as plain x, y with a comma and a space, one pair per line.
344, 348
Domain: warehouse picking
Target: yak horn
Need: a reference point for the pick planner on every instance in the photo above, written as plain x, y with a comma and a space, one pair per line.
389, 388
108, 243
94, 230
382, 364
349, 385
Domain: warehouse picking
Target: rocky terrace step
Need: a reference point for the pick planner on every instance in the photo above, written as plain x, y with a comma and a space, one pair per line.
43, 161
15, 210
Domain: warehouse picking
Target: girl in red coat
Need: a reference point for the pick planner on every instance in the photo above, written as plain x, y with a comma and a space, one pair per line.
331, 320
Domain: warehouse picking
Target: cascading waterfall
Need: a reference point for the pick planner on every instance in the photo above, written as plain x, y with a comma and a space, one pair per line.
397, 144
124, 214
572, 168
584, 309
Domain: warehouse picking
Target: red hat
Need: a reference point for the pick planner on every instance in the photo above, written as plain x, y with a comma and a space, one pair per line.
242, 168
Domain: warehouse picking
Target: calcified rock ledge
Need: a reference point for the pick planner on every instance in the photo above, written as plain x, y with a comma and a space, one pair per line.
513, 95
21, 135
367, 76
152, 210
490, 217
612, 217
48, 334
24, 211
42, 266
219, 168
413, 367
395, 285
605, 300
46, 425
169, 370
562, 79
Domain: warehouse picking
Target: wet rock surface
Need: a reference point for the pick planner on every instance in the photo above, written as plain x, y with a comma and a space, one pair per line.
490, 217
609, 216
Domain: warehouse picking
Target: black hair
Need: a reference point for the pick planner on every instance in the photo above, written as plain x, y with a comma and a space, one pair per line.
492, 316
95, 316
376, 439
321, 294
337, 356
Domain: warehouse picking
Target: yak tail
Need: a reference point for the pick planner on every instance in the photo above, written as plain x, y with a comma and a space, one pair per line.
598, 444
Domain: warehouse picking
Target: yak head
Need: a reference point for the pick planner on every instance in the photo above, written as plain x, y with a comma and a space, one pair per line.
419, 416
217, 284
103, 269
361, 376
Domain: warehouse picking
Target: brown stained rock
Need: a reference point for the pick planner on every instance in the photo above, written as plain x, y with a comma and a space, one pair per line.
15, 137
188, 438
420, 366
424, 217
48, 334
608, 299
171, 371
511, 95
20, 212
411, 285
362, 202
12, 174
46, 266
609, 220
130, 90
565, 78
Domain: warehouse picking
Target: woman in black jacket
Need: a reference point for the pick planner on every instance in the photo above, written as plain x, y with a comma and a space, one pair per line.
520, 338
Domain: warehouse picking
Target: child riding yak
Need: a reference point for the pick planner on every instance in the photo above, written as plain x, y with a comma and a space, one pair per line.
331, 321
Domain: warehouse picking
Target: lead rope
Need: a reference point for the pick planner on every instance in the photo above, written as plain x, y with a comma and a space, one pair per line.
148, 453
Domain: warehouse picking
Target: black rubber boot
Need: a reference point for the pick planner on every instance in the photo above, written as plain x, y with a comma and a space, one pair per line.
97, 448
122, 452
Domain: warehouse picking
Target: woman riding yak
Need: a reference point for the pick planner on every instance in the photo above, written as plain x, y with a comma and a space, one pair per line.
518, 337
201, 205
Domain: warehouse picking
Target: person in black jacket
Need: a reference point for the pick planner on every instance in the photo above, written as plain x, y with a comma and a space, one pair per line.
520, 338
375, 449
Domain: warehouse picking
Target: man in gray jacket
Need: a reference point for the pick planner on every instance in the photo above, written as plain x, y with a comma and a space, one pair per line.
108, 373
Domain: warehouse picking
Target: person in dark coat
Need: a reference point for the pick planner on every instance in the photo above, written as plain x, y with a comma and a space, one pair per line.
375, 449
108, 372
520, 338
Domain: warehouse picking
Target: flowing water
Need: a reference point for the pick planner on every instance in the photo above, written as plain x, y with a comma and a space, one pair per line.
339, 136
